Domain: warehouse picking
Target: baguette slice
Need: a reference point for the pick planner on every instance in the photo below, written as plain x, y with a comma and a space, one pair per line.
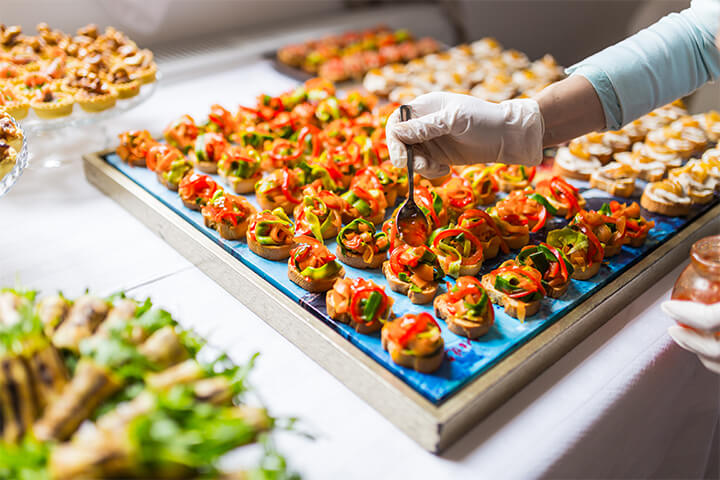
397, 285
607, 179
242, 185
513, 307
462, 326
585, 273
426, 364
357, 261
313, 286
347, 319
271, 252
470, 270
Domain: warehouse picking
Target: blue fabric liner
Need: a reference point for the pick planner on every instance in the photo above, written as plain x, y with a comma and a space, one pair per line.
465, 359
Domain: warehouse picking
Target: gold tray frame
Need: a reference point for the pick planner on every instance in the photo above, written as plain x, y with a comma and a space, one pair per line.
434, 427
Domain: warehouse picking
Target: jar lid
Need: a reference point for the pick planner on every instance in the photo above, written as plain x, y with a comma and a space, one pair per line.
705, 255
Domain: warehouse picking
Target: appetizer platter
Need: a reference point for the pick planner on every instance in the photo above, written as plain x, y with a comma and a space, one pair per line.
297, 224
13, 152
100, 387
53, 78
482, 68
349, 55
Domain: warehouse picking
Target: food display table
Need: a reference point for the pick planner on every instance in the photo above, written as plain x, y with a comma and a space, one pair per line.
625, 403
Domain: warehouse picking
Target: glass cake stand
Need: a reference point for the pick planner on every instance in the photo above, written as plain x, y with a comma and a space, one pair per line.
9, 180
49, 139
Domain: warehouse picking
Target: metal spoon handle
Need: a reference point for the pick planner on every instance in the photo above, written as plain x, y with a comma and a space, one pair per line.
405, 116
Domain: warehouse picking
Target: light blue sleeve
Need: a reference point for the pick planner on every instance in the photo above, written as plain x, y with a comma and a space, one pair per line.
657, 65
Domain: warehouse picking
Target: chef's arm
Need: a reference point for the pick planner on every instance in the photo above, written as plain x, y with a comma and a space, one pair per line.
666, 61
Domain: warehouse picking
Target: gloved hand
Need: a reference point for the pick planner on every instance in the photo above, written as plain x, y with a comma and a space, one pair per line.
454, 129
700, 338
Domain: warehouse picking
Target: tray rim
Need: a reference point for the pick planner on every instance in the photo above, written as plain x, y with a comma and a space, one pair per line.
434, 427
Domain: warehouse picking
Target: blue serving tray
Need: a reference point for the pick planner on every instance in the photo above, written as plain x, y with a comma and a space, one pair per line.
465, 359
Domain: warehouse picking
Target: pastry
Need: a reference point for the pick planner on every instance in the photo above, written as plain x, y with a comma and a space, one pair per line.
48, 103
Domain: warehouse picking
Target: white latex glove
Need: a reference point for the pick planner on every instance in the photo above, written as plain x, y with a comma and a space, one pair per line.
705, 320
454, 129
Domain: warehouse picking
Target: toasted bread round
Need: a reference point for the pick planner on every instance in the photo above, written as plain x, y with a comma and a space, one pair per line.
513, 307
506, 186
638, 241
426, 364
516, 242
623, 187
397, 285
668, 209
586, 273
170, 186
357, 261
313, 286
462, 326
345, 318
242, 185
491, 248
271, 252
612, 250
192, 205
230, 232
559, 170
557, 292
266, 204
206, 167
470, 270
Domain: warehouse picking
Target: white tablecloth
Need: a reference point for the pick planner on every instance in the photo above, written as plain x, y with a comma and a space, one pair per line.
625, 403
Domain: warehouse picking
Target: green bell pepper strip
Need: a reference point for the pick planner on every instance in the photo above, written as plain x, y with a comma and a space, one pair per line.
200, 152
371, 305
477, 309
358, 203
544, 202
263, 227
506, 286
253, 139
353, 227
326, 271
177, 171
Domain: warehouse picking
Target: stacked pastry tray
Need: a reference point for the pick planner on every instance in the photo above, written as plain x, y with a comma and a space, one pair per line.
476, 376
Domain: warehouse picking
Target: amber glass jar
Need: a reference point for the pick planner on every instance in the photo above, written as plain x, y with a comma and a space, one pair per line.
700, 281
